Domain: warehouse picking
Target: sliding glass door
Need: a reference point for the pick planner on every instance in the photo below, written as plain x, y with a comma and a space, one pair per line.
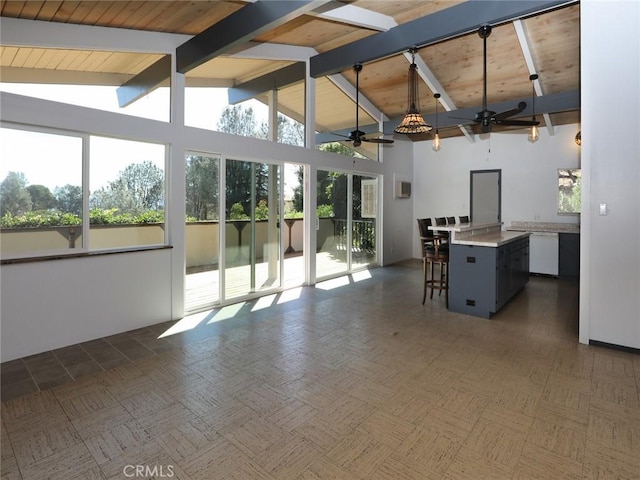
252, 228
364, 213
347, 208
332, 232
202, 246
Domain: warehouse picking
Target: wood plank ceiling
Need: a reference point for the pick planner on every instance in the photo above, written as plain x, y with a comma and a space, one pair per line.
551, 44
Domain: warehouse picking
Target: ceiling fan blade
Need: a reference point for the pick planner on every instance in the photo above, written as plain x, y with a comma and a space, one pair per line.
463, 118
377, 140
509, 113
518, 123
340, 135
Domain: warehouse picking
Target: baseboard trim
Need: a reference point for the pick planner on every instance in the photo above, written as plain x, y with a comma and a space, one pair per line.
613, 346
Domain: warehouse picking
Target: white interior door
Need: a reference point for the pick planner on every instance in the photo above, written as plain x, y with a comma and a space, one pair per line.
485, 196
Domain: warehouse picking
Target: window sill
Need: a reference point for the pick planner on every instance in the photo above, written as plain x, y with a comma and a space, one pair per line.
12, 261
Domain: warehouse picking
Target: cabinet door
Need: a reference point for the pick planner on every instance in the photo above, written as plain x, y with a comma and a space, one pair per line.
472, 280
504, 277
569, 255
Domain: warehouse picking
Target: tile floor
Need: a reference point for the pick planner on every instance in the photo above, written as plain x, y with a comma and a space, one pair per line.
356, 382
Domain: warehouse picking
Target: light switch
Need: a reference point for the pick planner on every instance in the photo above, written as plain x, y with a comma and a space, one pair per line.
603, 209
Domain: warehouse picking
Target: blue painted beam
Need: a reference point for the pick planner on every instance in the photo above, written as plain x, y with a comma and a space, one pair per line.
278, 79
145, 82
449, 23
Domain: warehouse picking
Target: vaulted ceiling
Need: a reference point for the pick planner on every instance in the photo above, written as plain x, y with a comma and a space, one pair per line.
246, 44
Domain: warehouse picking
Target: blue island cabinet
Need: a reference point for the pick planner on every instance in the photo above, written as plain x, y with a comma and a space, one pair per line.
483, 279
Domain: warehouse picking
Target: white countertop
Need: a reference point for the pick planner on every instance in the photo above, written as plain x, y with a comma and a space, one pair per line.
464, 227
492, 239
479, 234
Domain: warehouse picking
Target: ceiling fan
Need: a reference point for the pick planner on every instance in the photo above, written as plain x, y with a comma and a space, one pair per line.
487, 118
357, 136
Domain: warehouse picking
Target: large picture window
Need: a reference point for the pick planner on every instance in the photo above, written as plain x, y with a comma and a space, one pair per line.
87, 78
40, 192
44, 200
126, 200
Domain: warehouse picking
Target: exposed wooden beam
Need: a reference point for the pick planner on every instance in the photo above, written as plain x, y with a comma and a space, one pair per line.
360, 17
275, 80
432, 82
70, 77
523, 38
145, 82
350, 91
240, 27
273, 51
444, 24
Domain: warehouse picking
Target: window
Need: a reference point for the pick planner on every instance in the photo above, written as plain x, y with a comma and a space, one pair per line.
88, 78
569, 190
42, 193
126, 200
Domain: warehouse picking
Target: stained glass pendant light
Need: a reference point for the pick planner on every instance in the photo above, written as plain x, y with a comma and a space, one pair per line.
413, 122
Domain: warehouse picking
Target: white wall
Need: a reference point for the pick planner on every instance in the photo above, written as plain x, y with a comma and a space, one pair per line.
610, 251
55, 303
529, 175
34, 294
398, 212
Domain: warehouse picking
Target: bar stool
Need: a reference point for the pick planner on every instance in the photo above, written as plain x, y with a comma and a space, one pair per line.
441, 222
436, 254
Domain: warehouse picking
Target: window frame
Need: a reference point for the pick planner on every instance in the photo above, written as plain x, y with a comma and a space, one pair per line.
86, 249
559, 192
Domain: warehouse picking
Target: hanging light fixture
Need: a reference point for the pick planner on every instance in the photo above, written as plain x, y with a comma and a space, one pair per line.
436, 137
533, 133
578, 138
413, 122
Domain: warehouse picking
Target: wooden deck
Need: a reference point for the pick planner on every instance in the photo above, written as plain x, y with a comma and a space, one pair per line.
203, 288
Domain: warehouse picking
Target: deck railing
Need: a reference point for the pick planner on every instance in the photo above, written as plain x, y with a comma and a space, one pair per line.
201, 238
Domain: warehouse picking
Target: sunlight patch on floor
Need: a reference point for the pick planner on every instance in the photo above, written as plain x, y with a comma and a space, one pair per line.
227, 312
289, 295
187, 323
264, 302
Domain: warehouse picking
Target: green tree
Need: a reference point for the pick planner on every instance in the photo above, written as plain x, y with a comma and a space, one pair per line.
298, 192
240, 121
69, 199
41, 197
290, 132
237, 212
262, 210
570, 188
14, 196
337, 147
138, 188
202, 194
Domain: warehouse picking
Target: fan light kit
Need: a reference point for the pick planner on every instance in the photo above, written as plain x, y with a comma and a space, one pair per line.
487, 118
413, 122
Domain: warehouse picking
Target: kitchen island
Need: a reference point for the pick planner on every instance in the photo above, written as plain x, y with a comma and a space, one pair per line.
487, 266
